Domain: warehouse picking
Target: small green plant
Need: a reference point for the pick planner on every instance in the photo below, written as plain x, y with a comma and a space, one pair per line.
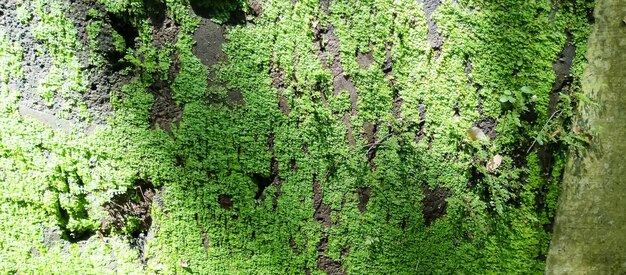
518, 99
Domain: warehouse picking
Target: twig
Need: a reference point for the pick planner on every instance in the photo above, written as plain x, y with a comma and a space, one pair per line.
377, 143
543, 128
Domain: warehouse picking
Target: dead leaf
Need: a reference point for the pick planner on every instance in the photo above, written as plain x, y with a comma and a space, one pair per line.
580, 131
494, 163
476, 133
183, 263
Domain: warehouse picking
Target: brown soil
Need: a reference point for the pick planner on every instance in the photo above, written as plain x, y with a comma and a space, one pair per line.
323, 211
488, 125
434, 203
234, 97
562, 83
135, 203
256, 7
350, 137
165, 32
330, 266
364, 194
387, 66
278, 81
327, 44
164, 110
277, 74
370, 131
225, 201
397, 106
283, 104
420, 134
294, 246
325, 263
561, 68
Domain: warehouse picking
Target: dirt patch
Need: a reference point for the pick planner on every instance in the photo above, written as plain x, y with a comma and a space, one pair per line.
350, 136
235, 97
469, 67
130, 212
327, 45
364, 194
434, 205
165, 111
165, 32
435, 39
209, 39
263, 181
294, 246
325, 5
225, 201
387, 65
370, 131
343, 83
278, 81
323, 211
326, 264
219, 9
277, 74
256, 6
283, 104
561, 67
397, 105
274, 171
420, 134
330, 266
365, 60
562, 83
106, 79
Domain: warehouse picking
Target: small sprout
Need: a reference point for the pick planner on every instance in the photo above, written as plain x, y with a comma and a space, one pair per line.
507, 97
494, 163
476, 133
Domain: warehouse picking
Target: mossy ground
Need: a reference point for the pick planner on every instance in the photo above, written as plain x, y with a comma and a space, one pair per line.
396, 128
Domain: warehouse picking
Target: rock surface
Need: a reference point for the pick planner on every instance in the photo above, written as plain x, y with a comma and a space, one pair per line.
590, 229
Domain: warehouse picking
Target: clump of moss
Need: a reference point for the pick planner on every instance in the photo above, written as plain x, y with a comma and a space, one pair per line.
295, 180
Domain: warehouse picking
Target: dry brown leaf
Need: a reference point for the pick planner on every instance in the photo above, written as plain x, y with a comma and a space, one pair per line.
494, 163
582, 132
183, 263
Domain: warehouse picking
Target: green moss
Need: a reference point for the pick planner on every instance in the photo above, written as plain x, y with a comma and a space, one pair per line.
493, 224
